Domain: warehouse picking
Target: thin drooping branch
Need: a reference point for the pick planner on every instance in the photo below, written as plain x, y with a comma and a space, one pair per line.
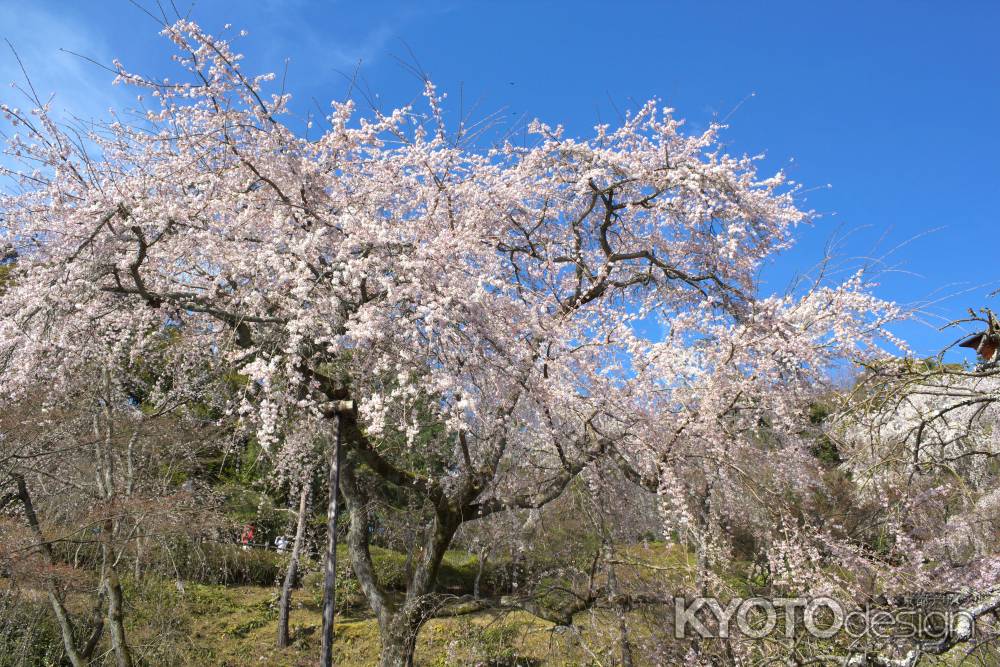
960, 630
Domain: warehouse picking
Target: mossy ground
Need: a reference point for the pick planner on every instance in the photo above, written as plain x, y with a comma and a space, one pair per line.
236, 625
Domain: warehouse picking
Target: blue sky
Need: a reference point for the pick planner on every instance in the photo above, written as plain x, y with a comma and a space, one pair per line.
895, 105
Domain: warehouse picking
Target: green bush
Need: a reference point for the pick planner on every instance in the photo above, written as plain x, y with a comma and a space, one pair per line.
219, 563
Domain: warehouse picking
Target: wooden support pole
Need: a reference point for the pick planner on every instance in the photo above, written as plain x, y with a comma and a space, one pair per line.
332, 511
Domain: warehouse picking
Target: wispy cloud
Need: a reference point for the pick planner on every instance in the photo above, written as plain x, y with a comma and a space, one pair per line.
326, 44
42, 38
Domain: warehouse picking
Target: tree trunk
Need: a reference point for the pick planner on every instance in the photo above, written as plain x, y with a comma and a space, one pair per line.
123, 656
399, 628
399, 623
399, 639
620, 612
484, 554
116, 605
55, 599
330, 574
75, 658
293, 567
104, 469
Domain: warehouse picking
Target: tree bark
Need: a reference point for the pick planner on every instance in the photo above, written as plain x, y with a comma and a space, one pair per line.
293, 567
116, 619
398, 633
116, 602
77, 658
620, 611
400, 623
484, 554
104, 470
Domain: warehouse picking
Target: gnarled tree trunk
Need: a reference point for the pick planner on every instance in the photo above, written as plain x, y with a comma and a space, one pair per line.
398, 632
399, 622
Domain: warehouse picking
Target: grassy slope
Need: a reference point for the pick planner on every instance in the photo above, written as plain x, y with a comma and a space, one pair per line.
237, 628
209, 625
236, 625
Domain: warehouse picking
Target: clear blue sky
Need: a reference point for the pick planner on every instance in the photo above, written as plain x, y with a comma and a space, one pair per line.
895, 104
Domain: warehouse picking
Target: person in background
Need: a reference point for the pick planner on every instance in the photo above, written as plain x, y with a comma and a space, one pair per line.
247, 537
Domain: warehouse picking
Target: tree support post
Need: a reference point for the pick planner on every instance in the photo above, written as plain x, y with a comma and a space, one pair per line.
332, 510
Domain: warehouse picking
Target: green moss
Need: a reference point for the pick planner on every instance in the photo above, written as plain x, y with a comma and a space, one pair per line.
213, 624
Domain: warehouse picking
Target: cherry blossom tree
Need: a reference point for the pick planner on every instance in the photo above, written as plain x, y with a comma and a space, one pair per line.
921, 442
503, 318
